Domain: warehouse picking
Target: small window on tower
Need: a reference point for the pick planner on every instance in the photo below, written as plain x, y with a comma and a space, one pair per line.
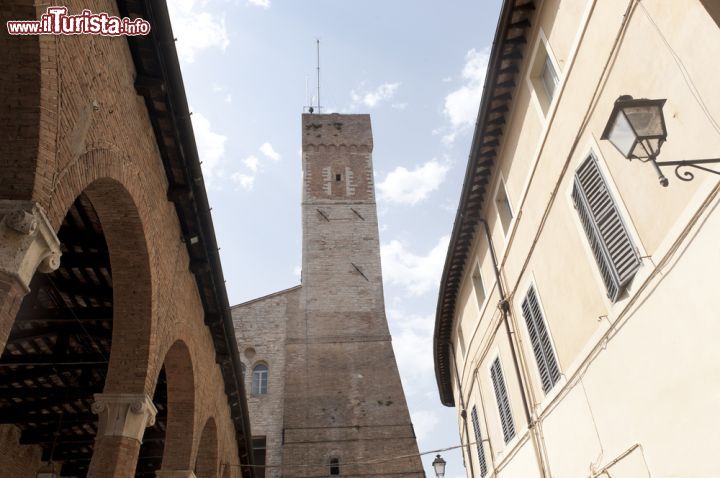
334, 466
338, 177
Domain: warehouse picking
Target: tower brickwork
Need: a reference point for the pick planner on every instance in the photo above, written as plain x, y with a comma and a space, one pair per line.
343, 401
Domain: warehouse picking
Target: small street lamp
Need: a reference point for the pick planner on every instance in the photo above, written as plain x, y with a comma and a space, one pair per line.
636, 128
439, 466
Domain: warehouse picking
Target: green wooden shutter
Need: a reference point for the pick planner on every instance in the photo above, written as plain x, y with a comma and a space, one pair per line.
540, 340
506, 419
478, 442
610, 242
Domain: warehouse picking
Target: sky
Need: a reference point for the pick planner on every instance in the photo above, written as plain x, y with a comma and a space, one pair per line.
417, 67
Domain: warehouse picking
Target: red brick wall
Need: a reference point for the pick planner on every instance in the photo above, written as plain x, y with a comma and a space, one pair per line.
73, 105
18, 461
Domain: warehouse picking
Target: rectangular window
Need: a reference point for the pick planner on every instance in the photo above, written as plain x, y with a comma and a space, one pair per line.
502, 203
478, 442
614, 250
549, 78
334, 466
461, 339
503, 403
258, 444
540, 340
478, 286
543, 75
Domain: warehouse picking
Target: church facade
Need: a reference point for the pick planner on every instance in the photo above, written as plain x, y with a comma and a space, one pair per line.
324, 392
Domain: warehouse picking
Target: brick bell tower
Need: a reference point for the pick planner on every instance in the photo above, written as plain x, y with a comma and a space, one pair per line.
343, 400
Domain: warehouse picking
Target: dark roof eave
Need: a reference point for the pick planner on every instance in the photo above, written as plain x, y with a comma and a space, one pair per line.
464, 217
156, 59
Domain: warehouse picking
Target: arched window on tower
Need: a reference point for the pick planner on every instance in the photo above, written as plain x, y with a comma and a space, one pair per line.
260, 379
334, 466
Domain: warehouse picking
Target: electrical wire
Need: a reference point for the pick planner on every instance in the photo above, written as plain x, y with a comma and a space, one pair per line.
683, 70
357, 463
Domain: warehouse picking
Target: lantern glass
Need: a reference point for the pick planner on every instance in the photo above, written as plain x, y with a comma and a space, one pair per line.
439, 466
646, 120
636, 127
622, 136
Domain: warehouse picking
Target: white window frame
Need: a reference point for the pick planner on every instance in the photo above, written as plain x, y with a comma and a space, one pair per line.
477, 272
501, 183
267, 376
533, 78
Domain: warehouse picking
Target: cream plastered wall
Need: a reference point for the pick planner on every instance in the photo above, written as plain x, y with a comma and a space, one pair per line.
640, 377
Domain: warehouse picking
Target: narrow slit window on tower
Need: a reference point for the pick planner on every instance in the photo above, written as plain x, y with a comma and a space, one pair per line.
338, 177
334, 466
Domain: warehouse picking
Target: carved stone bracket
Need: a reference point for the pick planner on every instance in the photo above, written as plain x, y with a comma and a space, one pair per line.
175, 474
28, 242
123, 414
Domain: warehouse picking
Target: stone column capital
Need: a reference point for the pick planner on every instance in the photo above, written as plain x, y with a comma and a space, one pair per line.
123, 414
28, 242
175, 474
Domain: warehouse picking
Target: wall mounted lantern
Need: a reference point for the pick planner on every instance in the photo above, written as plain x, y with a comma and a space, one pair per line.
439, 466
637, 130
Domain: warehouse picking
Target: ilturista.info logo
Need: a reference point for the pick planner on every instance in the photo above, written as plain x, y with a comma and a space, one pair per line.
57, 21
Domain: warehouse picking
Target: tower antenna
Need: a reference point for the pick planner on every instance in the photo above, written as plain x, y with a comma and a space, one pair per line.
317, 40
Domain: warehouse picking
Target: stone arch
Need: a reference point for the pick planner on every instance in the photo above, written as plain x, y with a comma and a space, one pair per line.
180, 431
206, 461
28, 107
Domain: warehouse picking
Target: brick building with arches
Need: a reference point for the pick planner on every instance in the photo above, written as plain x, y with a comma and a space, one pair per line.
119, 357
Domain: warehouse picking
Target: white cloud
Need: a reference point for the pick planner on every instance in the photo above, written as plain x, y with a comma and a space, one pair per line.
417, 274
297, 271
410, 187
211, 147
399, 106
228, 98
461, 105
425, 423
260, 3
410, 334
254, 166
269, 152
196, 29
251, 162
373, 98
243, 181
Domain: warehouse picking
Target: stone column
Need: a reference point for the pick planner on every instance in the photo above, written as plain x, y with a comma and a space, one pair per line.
122, 419
27, 244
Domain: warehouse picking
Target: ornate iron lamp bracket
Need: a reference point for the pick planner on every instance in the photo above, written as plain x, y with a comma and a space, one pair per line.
680, 167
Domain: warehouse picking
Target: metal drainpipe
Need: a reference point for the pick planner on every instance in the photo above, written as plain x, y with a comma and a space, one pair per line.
463, 414
505, 309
